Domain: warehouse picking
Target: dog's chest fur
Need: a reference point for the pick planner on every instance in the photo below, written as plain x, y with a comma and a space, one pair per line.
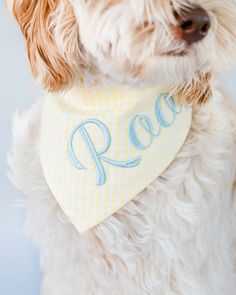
176, 237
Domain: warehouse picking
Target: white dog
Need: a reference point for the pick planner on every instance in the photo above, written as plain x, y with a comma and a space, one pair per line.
178, 235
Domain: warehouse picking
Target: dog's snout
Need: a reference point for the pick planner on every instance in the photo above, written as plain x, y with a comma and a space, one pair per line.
193, 25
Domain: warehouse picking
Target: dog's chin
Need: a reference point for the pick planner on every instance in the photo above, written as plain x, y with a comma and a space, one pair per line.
196, 90
180, 71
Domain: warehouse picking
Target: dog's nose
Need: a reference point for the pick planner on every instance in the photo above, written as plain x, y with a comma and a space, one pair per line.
193, 25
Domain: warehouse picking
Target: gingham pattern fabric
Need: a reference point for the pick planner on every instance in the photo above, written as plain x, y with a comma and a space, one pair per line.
100, 148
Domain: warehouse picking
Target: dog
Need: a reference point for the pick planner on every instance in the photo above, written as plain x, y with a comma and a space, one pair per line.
177, 235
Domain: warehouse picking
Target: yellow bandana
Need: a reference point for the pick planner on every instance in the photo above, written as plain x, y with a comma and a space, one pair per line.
100, 148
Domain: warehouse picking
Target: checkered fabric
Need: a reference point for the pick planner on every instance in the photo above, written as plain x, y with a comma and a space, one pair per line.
99, 148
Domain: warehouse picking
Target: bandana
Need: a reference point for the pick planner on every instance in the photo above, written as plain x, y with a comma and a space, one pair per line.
99, 148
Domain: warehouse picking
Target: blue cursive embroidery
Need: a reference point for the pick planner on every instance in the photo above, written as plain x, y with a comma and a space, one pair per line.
147, 125
98, 156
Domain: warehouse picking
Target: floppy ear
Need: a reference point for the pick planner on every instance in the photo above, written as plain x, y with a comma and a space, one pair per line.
52, 39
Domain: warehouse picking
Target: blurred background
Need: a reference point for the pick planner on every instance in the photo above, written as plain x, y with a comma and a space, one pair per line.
19, 265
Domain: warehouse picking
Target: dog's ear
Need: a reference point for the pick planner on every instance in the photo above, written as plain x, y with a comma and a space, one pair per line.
52, 39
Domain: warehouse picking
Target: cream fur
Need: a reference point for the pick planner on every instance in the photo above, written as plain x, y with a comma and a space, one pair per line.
177, 237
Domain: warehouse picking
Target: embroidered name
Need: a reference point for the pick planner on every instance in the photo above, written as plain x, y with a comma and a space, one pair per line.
139, 121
